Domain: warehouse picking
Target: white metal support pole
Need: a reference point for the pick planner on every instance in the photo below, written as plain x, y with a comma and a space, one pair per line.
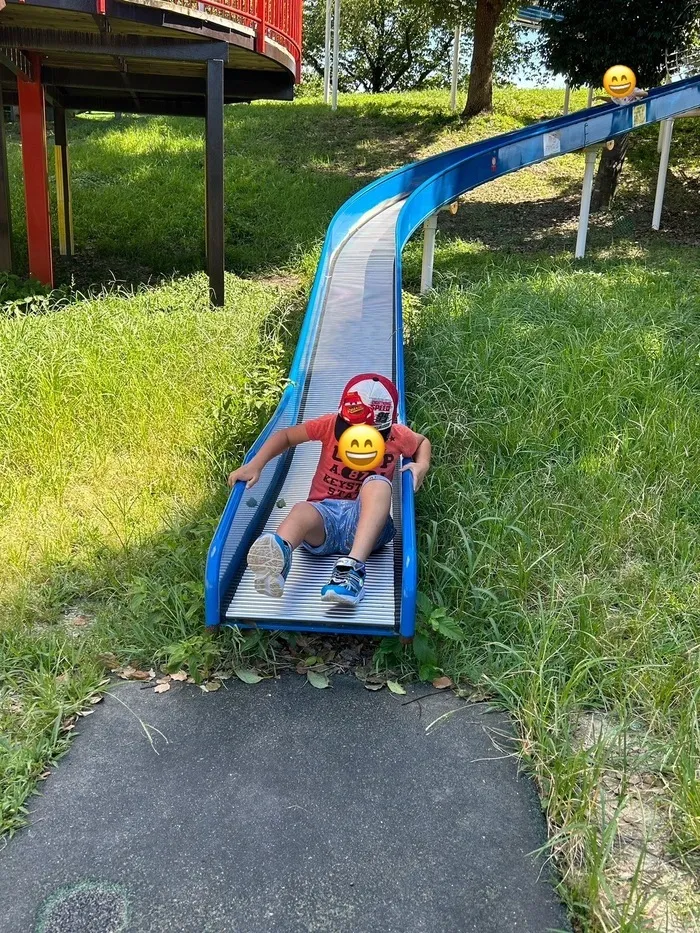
327, 55
336, 47
426, 272
567, 97
585, 203
590, 97
662, 123
455, 67
667, 126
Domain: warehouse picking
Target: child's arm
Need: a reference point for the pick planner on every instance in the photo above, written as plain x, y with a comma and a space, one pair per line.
421, 463
273, 447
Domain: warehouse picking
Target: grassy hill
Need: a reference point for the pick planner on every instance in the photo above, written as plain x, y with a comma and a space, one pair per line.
558, 528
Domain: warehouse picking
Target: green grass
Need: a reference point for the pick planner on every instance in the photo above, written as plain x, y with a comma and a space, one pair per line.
561, 524
558, 529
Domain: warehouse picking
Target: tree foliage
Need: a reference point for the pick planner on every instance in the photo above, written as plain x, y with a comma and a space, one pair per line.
385, 45
637, 33
390, 45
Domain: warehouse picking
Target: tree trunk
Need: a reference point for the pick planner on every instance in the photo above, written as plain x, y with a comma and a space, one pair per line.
480, 94
608, 175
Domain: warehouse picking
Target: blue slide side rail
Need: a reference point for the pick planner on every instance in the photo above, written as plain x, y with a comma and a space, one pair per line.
427, 186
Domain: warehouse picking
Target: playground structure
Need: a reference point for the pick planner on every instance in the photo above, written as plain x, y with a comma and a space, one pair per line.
354, 324
169, 57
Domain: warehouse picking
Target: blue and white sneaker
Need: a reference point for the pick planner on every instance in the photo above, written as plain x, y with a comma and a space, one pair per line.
270, 559
347, 584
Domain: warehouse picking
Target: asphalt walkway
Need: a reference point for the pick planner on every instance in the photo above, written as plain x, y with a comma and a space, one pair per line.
278, 807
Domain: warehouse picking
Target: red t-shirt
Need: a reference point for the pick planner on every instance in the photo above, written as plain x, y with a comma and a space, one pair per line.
333, 479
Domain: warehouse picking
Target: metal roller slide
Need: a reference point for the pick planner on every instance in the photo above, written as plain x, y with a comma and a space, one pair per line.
354, 324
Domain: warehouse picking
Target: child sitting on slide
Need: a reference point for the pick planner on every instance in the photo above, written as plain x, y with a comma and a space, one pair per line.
347, 511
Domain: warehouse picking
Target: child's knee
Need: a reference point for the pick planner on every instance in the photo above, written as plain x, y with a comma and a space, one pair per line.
376, 489
303, 512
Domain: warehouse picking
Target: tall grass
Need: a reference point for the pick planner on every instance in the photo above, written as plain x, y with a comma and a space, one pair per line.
561, 524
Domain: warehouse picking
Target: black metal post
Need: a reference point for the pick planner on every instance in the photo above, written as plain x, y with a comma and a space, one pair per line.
63, 199
215, 179
5, 214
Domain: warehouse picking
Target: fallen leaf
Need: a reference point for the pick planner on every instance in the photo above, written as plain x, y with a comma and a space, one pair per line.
161, 688
96, 699
396, 687
212, 686
46, 774
163, 680
179, 675
369, 686
376, 678
442, 683
320, 681
108, 659
191, 680
79, 620
309, 662
222, 675
132, 673
248, 677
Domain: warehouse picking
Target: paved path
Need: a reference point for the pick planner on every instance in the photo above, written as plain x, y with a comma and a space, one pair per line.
284, 809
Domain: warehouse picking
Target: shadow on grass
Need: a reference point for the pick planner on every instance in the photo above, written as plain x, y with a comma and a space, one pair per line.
546, 227
138, 185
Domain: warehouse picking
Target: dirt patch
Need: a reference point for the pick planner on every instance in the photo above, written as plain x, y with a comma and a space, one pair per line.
641, 867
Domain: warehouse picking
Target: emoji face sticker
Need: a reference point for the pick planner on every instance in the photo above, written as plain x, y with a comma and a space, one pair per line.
361, 447
619, 81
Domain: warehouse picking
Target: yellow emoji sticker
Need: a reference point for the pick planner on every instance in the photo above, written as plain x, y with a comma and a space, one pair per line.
361, 447
619, 81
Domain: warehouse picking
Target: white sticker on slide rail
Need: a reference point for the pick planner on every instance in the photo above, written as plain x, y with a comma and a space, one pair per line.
551, 144
639, 114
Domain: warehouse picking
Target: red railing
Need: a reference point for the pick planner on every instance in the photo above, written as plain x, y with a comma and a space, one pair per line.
278, 20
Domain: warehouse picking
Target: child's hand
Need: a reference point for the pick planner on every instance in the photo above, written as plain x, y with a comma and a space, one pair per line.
418, 470
248, 473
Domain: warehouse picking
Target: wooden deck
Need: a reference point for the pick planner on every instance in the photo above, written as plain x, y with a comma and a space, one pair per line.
150, 56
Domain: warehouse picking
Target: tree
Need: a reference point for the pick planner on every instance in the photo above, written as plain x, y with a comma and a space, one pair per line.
489, 23
385, 45
637, 33
487, 17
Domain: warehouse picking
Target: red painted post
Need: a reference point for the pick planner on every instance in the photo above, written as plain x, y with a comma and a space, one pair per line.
32, 123
299, 31
262, 26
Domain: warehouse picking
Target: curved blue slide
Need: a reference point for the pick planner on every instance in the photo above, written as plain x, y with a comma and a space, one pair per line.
353, 324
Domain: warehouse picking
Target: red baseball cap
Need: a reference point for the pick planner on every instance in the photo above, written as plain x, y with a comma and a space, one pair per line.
369, 399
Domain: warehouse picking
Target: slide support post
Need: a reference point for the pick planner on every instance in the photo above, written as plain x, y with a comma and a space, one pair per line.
215, 179
426, 272
66, 243
666, 134
585, 203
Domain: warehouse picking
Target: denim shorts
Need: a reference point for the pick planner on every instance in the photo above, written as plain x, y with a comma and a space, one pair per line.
340, 517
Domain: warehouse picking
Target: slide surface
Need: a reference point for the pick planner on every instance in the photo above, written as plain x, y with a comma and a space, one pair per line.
353, 324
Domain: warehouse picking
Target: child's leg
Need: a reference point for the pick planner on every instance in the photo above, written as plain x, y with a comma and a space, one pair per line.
375, 503
373, 526
304, 523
